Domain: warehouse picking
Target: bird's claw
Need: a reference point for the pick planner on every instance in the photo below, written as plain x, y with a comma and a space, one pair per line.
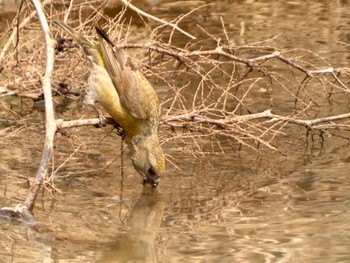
102, 119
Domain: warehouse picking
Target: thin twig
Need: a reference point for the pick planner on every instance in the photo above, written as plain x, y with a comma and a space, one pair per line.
10, 40
66, 15
143, 13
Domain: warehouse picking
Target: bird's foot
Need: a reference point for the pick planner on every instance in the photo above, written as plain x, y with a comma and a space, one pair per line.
102, 119
120, 131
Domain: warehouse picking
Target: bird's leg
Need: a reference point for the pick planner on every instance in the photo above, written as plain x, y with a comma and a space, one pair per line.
103, 120
89, 100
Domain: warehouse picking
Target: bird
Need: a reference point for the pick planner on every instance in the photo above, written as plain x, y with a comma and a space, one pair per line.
128, 97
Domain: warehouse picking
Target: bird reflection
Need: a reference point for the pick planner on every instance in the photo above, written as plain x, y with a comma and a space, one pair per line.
138, 245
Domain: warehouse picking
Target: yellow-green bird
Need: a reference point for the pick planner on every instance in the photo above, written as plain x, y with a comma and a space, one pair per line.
128, 97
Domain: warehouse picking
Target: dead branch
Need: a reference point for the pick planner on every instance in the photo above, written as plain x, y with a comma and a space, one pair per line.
196, 117
50, 126
143, 13
61, 124
24, 211
14, 33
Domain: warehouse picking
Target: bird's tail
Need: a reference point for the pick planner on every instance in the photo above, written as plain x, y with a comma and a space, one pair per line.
119, 54
103, 34
90, 47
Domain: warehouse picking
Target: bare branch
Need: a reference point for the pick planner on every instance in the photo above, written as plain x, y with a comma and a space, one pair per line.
143, 13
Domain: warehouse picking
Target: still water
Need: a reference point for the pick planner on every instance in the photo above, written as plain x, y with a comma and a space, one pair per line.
237, 207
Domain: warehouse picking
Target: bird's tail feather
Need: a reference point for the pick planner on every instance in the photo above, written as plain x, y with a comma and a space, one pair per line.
74, 34
119, 54
90, 47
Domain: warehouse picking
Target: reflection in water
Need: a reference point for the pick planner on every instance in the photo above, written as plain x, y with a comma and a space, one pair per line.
138, 244
82, 235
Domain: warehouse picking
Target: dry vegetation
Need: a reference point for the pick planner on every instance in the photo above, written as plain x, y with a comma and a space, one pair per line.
214, 92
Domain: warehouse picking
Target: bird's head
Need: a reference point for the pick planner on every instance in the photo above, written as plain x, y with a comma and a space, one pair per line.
148, 159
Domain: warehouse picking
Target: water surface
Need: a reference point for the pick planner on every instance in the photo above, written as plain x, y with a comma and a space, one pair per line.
240, 206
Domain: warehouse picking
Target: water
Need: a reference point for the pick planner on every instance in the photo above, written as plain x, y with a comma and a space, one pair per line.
235, 207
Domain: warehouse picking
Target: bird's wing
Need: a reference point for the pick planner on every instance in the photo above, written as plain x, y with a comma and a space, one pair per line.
128, 81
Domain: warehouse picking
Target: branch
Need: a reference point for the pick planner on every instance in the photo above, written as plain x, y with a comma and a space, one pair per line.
61, 124
195, 117
143, 13
181, 55
14, 33
49, 111
24, 211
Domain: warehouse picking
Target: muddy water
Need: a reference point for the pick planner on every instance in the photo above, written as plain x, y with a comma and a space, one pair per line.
234, 208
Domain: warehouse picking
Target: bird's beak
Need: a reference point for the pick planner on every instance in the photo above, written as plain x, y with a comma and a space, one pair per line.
150, 182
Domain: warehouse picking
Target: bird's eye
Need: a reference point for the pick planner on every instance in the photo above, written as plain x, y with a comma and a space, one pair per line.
152, 171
